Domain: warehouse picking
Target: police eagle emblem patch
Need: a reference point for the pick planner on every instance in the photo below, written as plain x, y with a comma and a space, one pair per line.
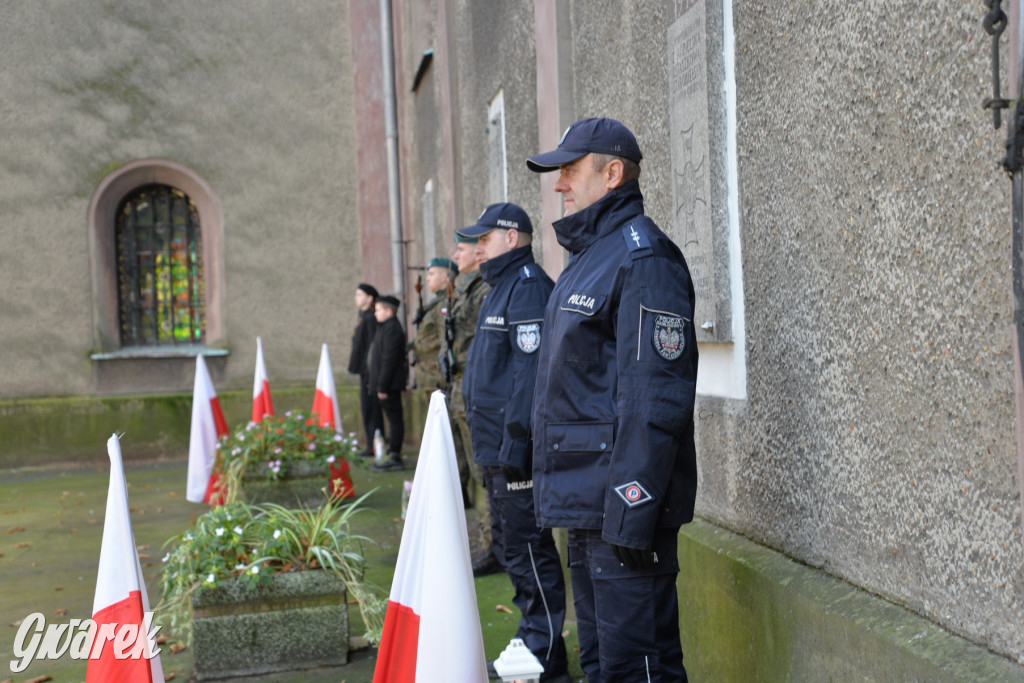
528, 337
668, 338
633, 494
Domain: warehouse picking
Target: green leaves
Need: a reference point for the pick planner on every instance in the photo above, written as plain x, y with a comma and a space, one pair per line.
252, 542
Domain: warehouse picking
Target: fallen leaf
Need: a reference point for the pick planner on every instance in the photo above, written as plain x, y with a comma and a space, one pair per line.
159, 509
23, 544
131, 509
60, 612
147, 564
502, 608
39, 679
58, 588
170, 676
72, 530
176, 648
17, 623
142, 547
144, 556
161, 639
173, 494
15, 529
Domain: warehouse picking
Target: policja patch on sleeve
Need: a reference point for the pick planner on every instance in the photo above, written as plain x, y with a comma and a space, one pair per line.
669, 338
528, 337
633, 494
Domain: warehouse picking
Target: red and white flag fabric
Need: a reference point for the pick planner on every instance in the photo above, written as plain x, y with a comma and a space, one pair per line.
327, 414
432, 626
208, 426
325, 401
121, 599
262, 404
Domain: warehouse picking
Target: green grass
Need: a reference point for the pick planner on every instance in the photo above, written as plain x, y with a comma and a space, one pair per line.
61, 513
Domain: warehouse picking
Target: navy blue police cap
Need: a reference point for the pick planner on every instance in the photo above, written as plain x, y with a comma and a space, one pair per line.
503, 216
600, 136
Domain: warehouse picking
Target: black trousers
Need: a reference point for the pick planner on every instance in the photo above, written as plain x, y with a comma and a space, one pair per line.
392, 407
628, 621
373, 418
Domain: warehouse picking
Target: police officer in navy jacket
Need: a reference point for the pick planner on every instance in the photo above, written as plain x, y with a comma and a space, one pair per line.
614, 456
498, 389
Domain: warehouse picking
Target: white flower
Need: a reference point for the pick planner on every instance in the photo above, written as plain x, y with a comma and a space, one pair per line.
337, 437
219, 531
330, 458
288, 414
255, 570
166, 557
228, 516
312, 446
188, 535
351, 435
277, 534
236, 450
238, 530
277, 450
299, 416
240, 565
211, 578
249, 426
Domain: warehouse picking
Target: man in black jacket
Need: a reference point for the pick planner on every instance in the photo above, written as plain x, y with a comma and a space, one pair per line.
388, 373
362, 337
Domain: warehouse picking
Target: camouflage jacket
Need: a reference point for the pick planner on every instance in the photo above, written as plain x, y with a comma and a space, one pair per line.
468, 298
428, 343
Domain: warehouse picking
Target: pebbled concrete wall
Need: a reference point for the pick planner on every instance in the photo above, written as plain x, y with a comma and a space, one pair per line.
877, 440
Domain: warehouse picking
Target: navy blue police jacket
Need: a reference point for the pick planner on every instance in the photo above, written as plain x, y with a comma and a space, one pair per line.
616, 381
501, 367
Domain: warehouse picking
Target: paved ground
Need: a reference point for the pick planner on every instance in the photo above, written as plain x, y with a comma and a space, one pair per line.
53, 521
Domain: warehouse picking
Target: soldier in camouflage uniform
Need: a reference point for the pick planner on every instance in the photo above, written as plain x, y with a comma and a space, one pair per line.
428, 343
464, 312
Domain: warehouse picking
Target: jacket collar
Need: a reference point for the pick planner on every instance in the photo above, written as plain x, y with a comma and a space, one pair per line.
578, 231
493, 269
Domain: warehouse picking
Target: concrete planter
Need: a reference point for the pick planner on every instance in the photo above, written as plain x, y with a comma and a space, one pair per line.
300, 621
301, 487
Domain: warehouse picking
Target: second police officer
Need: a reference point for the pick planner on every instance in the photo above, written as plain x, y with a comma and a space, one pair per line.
498, 388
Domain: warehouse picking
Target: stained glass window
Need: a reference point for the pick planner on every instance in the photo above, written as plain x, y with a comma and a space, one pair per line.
159, 268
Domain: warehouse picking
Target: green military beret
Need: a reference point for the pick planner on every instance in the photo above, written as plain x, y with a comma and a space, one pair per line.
443, 263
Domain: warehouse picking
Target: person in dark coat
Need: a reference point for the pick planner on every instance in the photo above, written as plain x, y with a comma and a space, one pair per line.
614, 456
362, 337
387, 376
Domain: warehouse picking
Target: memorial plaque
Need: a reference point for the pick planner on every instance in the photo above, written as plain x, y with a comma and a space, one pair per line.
699, 218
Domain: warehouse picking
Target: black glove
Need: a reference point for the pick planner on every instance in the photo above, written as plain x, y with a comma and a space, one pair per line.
515, 474
634, 558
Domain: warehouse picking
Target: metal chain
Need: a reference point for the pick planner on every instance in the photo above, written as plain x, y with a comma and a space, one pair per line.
995, 23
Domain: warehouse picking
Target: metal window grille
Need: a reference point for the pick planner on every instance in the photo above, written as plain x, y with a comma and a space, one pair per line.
160, 269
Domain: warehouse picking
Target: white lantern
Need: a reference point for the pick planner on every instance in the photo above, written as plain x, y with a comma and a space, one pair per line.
517, 664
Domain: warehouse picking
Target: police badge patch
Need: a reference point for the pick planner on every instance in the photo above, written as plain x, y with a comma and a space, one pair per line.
633, 494
528, 337
668, 337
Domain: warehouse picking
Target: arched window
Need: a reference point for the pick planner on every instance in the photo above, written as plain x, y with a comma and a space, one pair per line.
161, 298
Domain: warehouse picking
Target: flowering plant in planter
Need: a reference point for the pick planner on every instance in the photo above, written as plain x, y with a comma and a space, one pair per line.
276, 445
251, 543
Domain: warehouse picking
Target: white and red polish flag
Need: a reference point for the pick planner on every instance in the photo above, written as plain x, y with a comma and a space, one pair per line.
262, 404
432, 626
327, 414
208, 426
325, 401
121, 594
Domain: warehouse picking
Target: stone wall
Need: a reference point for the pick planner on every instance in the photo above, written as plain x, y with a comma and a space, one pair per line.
253, 97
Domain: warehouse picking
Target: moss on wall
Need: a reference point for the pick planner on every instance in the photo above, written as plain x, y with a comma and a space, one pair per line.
748, 613
75, 430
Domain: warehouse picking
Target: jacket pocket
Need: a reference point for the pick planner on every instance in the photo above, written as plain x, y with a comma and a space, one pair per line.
487, 422
577, 460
